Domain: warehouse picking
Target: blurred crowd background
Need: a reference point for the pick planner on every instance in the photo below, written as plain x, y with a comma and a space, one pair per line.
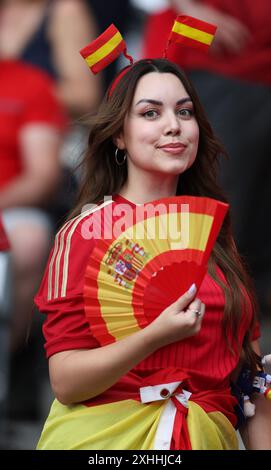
46, 95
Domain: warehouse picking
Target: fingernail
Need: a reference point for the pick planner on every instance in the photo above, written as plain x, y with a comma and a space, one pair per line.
192, 289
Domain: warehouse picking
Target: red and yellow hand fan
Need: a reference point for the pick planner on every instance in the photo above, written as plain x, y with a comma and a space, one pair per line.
133, 277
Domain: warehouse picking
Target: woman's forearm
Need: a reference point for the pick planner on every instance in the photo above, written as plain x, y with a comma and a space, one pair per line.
82, 374
28, 190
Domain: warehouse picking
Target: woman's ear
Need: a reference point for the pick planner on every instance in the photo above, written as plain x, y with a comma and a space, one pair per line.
119, 141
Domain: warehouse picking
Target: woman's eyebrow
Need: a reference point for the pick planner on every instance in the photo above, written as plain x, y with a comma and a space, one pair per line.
184, 100
160, 103
144, 100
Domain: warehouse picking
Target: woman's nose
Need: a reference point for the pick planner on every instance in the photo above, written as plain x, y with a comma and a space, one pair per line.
172, 125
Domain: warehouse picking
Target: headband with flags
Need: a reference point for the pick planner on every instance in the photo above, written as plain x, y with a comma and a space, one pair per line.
110, 44
105, 49
192, 32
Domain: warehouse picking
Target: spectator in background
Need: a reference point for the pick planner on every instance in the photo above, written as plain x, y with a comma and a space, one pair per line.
233, 82
31, 122
49, 34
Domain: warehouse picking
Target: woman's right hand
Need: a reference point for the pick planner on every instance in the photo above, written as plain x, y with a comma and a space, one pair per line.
180, 320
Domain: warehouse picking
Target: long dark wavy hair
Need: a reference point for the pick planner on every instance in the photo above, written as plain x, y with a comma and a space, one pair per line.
102, 176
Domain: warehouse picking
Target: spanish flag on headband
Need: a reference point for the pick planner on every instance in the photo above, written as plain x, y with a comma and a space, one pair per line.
192, 32
105, 49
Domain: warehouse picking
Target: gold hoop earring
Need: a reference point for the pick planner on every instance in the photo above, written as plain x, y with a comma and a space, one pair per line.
118, 162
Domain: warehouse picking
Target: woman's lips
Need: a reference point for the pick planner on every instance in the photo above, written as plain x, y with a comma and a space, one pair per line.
174, 149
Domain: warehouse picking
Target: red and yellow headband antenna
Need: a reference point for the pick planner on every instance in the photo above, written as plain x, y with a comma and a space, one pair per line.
105, 49
189, 31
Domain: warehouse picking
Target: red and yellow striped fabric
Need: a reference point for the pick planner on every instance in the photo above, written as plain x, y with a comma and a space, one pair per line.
104, 50
192, 32
134, 415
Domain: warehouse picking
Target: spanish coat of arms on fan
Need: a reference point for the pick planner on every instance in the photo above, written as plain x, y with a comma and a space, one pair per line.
133, 276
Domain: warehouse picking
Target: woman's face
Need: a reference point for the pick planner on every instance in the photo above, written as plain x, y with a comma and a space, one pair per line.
160, 133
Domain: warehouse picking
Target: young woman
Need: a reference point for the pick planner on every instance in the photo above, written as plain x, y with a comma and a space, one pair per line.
150, 139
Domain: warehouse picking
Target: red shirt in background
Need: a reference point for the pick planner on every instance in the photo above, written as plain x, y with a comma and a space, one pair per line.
26, 97
252, 64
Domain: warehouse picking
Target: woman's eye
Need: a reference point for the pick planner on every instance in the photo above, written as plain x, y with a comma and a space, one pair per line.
151, 113
186, 112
